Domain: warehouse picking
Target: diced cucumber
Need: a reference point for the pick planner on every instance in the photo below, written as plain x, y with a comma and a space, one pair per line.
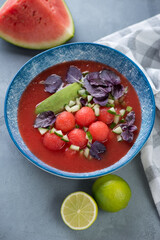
116, 119
81, 152
90, 105
89, 98
75, 108
85, 73
78, 101
89, 136
52, 130
117, 130
128, 108
109, 105
110, 96
122, 120
86, 152
71, 103
42, 130
96, 110
119, 138
67, 108
82, 92
89, 144
65, 138
74, 147
110, 101
96, 106
58, 133
112, 125
122, 112
85, 129
112, 111
126, 89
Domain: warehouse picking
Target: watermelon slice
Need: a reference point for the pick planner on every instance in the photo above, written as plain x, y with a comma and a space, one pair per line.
36, 24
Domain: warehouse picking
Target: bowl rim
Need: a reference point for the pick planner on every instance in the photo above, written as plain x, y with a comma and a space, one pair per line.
75, 175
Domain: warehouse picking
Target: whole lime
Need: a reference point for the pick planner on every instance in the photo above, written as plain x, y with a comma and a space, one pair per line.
111, 192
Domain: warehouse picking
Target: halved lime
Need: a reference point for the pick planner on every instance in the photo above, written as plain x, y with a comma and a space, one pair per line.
79, 210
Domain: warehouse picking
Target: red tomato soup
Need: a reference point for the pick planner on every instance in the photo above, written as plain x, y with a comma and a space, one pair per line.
62, 159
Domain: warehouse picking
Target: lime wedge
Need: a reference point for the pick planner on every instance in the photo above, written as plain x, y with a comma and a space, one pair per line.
79, 210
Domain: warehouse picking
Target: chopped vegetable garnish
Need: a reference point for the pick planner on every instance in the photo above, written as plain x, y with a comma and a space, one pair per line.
42, 130
116, 119
88, 136
67, 108
82, 92
89, 98
58, 133
75, 108
119, 138
71, 103
117, 130
86, 152
74, 147
112, 125
112, 111
65, 138
128, 109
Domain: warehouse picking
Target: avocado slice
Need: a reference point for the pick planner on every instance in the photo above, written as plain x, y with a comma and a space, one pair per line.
57, 101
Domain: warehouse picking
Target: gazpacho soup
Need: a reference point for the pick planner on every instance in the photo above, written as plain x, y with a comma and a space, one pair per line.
79, 116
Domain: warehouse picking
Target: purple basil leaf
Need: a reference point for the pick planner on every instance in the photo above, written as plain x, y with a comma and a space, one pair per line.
73, 75
92, 76
108, 88
83, 101
97, 92
130, 118
127, 136
110, 76
100, 93
96, 149
101, 102
118, 91
97, 82
44, 119
132, 128
52, 83
124, 126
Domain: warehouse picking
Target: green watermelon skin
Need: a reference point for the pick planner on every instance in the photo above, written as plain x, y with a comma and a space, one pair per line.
36, 24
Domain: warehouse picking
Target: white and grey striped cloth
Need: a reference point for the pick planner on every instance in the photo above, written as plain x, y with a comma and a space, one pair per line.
141, 43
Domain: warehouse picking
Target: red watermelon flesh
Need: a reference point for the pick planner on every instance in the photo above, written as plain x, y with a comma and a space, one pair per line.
36, 24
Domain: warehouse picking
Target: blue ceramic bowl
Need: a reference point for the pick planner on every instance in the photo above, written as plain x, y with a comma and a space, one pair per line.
80, 51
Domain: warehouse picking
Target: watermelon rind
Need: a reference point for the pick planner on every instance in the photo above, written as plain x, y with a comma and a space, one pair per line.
46, 44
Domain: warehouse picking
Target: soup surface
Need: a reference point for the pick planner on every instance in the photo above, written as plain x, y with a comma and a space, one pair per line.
34, 94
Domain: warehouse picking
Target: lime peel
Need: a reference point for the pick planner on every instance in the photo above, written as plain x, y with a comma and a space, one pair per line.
111, 192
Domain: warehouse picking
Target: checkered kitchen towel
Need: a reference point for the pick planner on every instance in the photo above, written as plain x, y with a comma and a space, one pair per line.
141, 43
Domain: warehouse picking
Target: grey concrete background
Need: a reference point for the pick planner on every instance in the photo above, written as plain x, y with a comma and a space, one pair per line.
30, 199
